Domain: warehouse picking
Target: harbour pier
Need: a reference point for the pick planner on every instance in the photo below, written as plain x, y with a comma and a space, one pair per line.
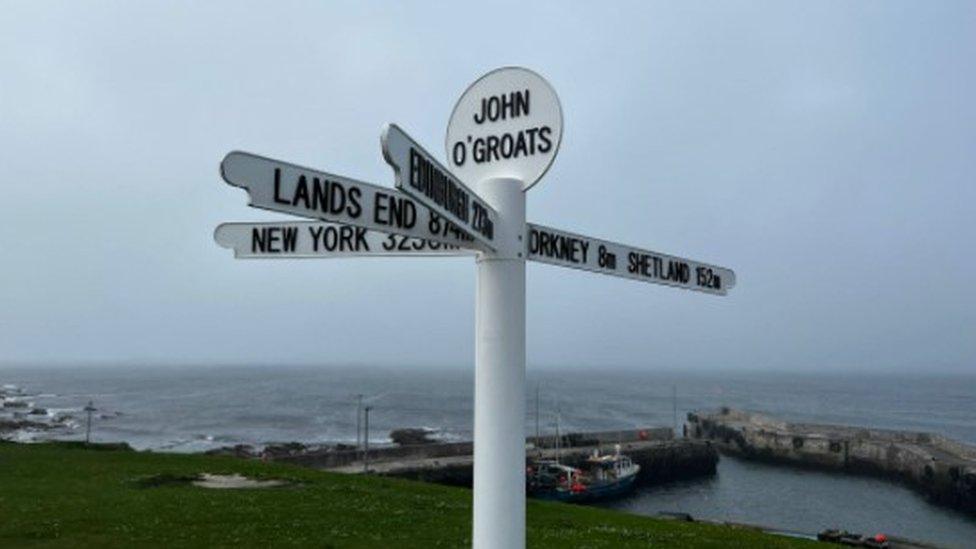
662, 457
941, 468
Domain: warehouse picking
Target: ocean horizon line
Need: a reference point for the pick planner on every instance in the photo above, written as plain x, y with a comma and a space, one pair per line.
460, 368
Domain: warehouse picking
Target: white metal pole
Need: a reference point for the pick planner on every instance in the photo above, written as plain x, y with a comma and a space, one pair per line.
499, 394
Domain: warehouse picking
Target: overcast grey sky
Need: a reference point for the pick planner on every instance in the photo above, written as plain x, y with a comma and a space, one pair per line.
824, 150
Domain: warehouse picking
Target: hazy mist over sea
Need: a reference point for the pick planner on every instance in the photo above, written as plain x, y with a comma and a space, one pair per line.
198, 407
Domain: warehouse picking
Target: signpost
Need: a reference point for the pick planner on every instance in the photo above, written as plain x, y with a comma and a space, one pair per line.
503, 135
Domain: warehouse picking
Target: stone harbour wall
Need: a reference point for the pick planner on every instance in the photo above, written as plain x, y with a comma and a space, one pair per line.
941, 468
331, 458
660, 462
661, 457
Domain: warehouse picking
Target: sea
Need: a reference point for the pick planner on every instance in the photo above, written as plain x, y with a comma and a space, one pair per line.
197, 408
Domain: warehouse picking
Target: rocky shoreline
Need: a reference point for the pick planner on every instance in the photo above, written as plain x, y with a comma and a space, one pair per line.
280, 450
21, 420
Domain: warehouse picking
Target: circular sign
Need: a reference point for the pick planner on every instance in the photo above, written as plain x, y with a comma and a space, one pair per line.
507, 124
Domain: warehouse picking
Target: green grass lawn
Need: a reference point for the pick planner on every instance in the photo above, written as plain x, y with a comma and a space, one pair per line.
67, 495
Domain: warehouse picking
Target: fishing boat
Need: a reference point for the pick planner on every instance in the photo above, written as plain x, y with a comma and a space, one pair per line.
604, 477
549, 479
843, 537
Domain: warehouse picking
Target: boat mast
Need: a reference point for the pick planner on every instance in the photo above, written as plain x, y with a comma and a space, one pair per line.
538, 440
674, 406
559, 438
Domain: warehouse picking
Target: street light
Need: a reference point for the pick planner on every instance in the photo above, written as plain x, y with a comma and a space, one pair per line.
89, 409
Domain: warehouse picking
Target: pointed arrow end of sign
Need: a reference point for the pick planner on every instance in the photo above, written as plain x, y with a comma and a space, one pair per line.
731, 282
388, 154
234, 170
384, 143
221, 236
225, 167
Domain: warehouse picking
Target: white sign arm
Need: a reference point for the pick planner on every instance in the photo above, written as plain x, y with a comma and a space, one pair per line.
418, 174
312, 239
282, 187
556, 247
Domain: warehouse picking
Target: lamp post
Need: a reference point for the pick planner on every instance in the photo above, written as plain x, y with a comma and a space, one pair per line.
366, 440
359, 414
88, 409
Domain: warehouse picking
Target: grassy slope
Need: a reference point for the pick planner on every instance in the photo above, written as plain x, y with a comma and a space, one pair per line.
55, 494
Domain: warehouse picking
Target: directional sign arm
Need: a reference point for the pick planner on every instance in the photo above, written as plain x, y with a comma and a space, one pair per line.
418, 174
556, 247
312, 239
282, 187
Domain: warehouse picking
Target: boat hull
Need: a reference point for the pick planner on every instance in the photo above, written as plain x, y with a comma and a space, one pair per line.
593, 492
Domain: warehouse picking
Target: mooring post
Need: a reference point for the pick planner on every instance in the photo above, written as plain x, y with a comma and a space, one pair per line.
499, 399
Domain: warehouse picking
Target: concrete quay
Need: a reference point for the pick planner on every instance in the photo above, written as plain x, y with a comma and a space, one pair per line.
941, 468
661, 457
